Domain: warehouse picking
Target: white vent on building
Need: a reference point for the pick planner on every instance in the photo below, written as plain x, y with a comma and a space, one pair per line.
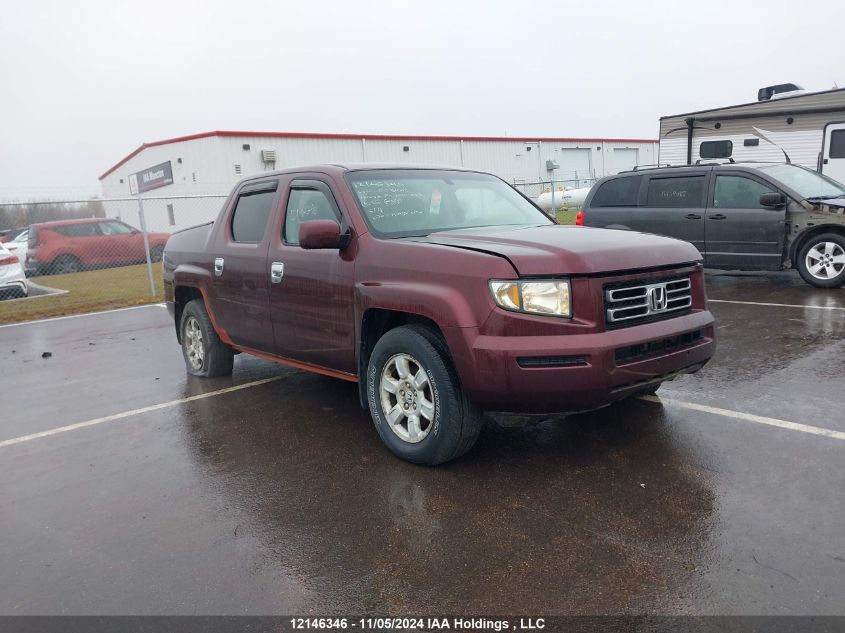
237, 169
268, 156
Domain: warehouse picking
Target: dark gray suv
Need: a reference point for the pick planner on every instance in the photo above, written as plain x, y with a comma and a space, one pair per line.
748, 216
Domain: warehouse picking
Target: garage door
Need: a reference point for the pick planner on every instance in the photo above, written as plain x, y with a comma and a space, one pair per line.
625, 158
575, 165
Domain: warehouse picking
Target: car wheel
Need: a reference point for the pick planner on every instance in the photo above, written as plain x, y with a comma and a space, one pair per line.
416, 401
821, 261
204, 353
156, 252
65, 265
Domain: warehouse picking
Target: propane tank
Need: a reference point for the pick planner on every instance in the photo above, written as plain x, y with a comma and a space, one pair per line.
566, 199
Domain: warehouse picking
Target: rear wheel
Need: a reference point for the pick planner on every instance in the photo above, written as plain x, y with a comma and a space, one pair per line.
64, 265
821, 261
156, 252
204, 353
415, 398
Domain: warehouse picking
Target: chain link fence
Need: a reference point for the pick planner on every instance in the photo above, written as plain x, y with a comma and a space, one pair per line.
72, 256
534, 189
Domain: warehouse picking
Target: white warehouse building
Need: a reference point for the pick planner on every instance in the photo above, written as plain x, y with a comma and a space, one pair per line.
211, 162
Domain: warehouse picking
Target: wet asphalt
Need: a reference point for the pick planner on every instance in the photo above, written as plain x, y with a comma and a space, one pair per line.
279, 498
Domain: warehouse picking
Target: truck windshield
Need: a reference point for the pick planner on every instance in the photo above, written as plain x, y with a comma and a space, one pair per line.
807, 184
406, 202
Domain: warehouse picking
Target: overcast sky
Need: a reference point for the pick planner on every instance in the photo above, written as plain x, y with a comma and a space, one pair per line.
84, 83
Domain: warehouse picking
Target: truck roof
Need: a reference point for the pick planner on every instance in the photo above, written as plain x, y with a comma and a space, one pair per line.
341, 168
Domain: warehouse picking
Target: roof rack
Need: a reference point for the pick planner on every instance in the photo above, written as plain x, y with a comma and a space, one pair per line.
653, 166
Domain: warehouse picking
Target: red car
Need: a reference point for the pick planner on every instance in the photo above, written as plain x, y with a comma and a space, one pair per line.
441, 292
68, 246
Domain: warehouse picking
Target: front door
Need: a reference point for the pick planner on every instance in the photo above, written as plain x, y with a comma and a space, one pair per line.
119, 243
739, 231
833, 154
239, 268
312, 297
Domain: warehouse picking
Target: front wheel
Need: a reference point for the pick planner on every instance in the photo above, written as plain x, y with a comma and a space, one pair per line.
415, 398
205, 354
821, 261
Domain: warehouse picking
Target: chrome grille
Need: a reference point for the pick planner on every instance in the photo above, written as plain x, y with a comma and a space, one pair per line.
627, 305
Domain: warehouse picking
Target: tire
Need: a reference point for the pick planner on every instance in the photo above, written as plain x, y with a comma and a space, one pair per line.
156, 253
204, 353
821, 260
453, 424
64, 265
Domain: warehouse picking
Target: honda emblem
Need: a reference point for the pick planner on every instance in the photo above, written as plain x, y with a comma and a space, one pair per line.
657, 300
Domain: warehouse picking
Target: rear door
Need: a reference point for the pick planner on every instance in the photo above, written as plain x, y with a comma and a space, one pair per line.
239, 271
672, 204
739, 231
833, 151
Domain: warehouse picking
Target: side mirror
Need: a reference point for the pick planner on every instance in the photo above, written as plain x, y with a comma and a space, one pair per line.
316, 234
773, 200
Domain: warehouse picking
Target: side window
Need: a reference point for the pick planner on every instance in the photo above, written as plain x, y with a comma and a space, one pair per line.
305, 205
249, 220
737, 192
114, 228
837, 144
87, 229
619, 192
716, 149
683, 192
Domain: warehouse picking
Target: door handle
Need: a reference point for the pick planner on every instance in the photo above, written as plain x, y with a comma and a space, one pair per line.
692, 216
218, 267
717, 216
277, 271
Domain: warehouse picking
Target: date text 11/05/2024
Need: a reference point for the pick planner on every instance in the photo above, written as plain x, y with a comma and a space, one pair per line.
423, 623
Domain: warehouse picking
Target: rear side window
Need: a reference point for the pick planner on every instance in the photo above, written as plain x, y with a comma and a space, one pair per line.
837, 144
736, 192
716, 149
679, 192
77, 230
249, 219
619, 192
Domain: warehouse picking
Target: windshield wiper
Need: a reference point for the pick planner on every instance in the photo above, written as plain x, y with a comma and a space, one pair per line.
830, 197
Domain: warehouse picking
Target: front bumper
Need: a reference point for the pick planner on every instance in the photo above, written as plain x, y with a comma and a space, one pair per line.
602, 366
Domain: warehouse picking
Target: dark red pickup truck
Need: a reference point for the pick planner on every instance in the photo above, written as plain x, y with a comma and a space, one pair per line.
441, 292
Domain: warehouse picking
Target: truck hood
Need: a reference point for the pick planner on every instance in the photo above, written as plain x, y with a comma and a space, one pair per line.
556, 249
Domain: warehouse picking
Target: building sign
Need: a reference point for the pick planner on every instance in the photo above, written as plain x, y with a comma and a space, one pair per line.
151, 178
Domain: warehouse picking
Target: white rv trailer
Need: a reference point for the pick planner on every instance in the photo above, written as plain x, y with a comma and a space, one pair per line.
808, 126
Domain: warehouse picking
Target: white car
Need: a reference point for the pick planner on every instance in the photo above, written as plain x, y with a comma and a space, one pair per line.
19, 245
12, 278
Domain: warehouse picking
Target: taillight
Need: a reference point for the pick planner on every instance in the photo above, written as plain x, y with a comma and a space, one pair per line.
579, 219
12, 259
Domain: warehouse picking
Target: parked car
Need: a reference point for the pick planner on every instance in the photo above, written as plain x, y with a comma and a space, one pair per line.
68, 246
746, 216
12, 278
441, 292
18, 245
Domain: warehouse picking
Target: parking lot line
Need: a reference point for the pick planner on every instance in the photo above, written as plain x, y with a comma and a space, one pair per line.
125, 414
84, 314
747, 417
777, 305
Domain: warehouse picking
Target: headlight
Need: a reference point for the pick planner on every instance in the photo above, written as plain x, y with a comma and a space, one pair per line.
550, 297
